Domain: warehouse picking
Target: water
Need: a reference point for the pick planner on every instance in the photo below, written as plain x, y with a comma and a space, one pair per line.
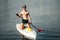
50, 21
8, 29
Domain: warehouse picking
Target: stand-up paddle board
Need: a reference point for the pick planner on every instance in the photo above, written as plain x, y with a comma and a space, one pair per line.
28, 33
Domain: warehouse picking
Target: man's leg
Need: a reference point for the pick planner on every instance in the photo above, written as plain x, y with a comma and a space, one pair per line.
22, 26
28, 25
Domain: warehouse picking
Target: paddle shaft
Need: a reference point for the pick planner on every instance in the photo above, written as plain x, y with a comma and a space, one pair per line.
39, 30
34, 26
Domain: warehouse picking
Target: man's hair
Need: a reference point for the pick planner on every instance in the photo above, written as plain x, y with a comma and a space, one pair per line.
24, 6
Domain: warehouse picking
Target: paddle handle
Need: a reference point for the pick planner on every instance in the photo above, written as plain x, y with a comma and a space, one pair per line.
17, 15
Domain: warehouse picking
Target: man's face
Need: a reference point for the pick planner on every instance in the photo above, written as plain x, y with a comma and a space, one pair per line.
24, 8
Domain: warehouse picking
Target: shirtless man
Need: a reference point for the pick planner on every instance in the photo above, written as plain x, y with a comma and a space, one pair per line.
25, 17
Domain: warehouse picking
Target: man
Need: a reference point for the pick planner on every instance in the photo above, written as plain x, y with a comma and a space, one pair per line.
25, 17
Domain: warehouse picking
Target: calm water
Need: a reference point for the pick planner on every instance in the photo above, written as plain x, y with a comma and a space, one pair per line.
8, 20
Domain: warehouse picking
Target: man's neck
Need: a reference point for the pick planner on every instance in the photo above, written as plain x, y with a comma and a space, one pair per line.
24, 10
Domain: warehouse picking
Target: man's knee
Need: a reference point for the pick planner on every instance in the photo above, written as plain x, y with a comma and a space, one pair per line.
22, 24
28, 24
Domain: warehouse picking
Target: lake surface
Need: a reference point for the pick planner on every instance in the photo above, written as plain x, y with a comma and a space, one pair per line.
50, 22
8, 29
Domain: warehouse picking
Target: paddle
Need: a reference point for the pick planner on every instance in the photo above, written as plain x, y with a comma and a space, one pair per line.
39, 30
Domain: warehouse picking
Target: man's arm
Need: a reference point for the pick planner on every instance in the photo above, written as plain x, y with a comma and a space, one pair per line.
19, 14
30, 19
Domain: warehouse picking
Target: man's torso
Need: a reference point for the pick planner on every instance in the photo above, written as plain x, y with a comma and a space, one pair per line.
25, 15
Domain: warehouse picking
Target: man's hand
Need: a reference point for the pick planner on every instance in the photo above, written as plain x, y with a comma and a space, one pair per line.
17, 15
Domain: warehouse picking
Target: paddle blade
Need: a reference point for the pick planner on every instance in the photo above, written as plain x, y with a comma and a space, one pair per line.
40, 30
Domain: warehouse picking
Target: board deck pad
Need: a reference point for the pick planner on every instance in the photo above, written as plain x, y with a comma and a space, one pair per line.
28, 29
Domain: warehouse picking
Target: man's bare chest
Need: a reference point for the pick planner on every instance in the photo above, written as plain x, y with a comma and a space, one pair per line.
25, 13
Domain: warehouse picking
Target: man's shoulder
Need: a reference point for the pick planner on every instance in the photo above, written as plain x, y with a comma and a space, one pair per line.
27, 11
